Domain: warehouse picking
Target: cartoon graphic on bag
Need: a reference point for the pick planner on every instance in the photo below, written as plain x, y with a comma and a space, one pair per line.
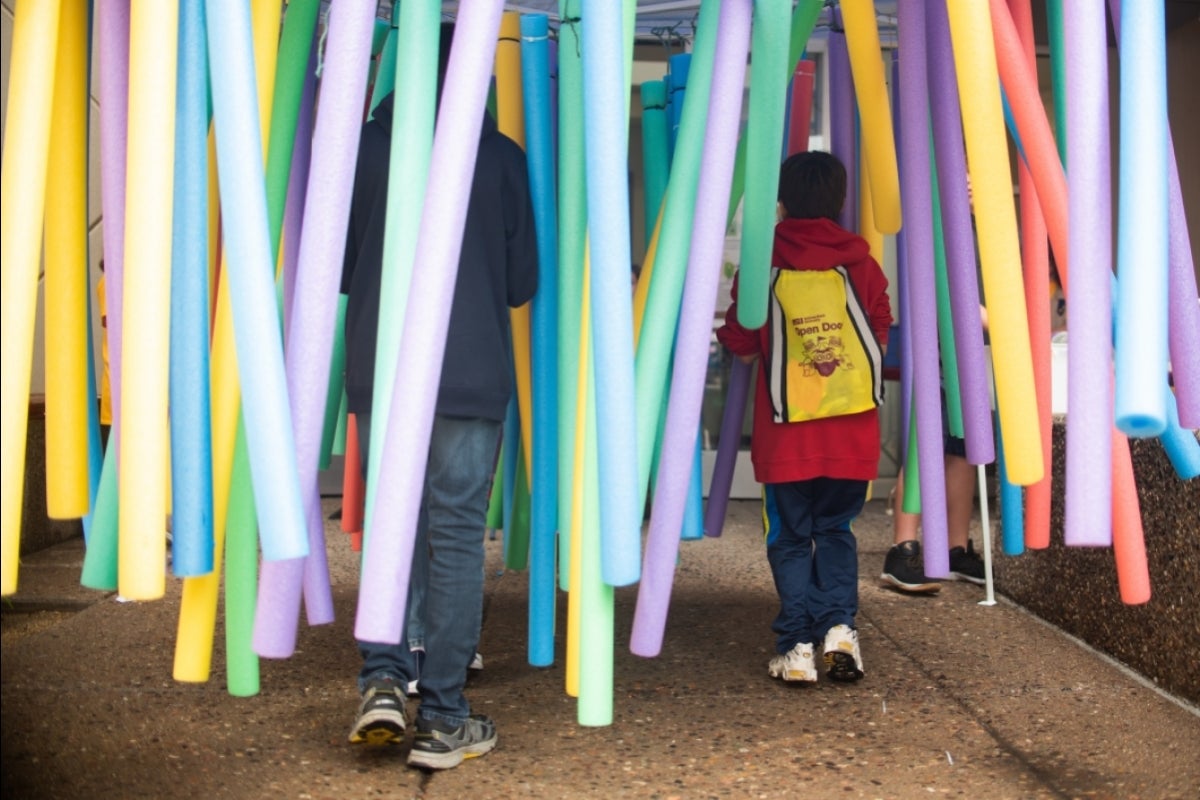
824, 360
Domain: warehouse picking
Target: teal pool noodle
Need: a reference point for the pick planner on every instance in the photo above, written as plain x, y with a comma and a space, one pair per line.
241, 577
385, 75
945, 317
1180, 444
334, 409
678, 66
539, 152
764, 141
1012, 506
656, 155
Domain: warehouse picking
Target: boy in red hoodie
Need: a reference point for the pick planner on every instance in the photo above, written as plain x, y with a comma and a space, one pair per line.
815, 441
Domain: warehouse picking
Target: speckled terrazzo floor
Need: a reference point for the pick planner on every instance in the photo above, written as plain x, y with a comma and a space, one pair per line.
960, 699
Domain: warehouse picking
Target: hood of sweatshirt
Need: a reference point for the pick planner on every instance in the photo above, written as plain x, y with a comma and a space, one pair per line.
816, 244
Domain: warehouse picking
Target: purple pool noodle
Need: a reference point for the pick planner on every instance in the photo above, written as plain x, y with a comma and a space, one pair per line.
1088, 509
387, 561
950, 156
841, 122
695, 324
112, 31
314, 310
727, 447
280, 586
1183, 310
916, 197
293, 215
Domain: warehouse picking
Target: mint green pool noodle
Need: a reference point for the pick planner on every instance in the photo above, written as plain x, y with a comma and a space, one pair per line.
769, 46
945, 321
339, 433
295, 47
516, 535
417, 35
572, 235
596, 645
100, 558
385, 75
241, 576
652, 366
337, 382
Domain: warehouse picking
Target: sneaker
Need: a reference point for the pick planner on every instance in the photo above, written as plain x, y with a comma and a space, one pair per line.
966, 564
441, 745
843, 661
904, 569
381, 715
795, 665
476, 664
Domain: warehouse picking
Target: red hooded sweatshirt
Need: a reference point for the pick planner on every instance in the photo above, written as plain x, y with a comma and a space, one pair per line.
834, 447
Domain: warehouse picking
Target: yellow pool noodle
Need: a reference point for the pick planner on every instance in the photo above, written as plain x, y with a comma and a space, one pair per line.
510, 119
66, 284
145, 340
996, 223
866, 215
22, 200
198, 607
874, 111
574, 606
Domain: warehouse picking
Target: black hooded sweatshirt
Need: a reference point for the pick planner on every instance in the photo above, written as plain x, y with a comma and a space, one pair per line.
497, 269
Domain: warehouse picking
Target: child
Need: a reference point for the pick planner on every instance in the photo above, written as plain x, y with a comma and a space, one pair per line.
815, 440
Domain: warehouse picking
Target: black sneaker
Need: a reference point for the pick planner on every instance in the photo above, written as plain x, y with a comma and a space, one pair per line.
903, 569
440, 745
381, 715
966, 564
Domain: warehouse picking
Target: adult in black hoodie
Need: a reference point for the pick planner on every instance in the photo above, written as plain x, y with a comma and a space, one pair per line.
497, 269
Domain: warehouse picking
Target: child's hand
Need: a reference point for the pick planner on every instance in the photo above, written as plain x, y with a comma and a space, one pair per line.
748, 359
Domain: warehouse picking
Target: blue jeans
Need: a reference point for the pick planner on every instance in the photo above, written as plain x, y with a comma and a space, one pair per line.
813, 556
462, 454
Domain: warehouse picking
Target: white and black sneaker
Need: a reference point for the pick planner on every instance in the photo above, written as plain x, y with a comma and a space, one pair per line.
380, 717
442, 745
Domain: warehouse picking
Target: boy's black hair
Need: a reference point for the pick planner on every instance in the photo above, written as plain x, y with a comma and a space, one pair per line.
812, 184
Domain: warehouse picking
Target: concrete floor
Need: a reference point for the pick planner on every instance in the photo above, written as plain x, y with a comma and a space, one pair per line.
960, 699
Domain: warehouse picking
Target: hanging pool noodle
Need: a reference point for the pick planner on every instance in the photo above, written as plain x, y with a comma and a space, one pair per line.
916, 196
385, 74
1035, 257
539, 148
142, 481
655, 151
510, 454
314, 317
695, 323
251, 280
417, 33
842, 124
676, 82
800, 109
190, 420
979, 96
764, 138
26, 155
1087, 517
510, 120
572, 228
388, 560
662, 303
112, 36
947, 348
1142, 223
870, 88
65, 281
1012, 511
612, 313
335, 392
1129, 541
293, 212
241, 577
1056, 27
